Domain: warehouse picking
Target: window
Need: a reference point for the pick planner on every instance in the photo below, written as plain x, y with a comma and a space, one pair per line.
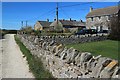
91, 18
97, 28
101, 27
108, 17
99, 17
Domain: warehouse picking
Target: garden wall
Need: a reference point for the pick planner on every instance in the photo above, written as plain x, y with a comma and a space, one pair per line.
65, 62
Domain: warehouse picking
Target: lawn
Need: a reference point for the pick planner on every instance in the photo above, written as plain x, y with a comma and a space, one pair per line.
107, 48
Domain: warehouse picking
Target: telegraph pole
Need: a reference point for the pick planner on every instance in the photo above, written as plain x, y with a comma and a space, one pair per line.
21, 23
57, 13
21, 27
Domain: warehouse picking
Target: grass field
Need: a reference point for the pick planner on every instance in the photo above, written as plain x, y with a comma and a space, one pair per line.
108, 48
35, 64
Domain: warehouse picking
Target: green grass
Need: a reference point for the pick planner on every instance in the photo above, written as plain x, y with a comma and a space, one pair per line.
35, 64
108, 48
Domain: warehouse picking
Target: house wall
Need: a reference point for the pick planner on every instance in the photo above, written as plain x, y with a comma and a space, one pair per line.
97, 22
46, 28
38, 26
70, 29
65, 28
73, 30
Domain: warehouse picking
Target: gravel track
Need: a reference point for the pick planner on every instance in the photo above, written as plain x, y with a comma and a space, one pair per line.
13, 63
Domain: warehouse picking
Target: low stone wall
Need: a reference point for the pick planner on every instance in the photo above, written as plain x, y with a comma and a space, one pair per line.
65, 62
75, 38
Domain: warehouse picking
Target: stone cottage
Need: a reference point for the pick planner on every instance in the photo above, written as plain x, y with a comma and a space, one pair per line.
67, 25
42, 25
100, 18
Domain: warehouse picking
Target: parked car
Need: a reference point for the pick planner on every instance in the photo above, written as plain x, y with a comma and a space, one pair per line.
86, 31
91, 31
81, 32
104, 31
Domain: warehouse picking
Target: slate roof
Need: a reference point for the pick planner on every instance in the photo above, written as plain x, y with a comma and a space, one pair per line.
103, 11
45, 23
72, 23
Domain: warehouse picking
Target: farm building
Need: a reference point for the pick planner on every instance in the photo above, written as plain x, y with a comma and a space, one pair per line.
42, 25
67, 25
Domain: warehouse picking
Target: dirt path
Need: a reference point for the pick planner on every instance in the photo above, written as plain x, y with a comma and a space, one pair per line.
13, 63
1, 59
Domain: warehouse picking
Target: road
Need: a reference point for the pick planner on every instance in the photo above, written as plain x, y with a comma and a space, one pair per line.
14, 65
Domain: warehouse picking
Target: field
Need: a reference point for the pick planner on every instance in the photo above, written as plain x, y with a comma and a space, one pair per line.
108, 48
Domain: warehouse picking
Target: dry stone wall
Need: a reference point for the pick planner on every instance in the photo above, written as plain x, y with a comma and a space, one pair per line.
75, 38
65, 62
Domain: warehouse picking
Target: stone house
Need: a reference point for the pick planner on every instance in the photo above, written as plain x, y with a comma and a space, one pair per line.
67, 25
42, 25
100, 18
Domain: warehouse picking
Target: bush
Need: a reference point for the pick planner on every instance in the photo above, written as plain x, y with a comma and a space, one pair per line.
115, 29
27, 30
37, 32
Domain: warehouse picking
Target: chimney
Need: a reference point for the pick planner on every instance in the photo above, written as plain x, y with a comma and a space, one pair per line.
81, 20
47, 20
91, 9
70, 19
63, 19
54, 19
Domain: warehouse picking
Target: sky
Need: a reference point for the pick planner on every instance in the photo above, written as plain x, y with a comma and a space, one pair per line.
59, 0
15, 12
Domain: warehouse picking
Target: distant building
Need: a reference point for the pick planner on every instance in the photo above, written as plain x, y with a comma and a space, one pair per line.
100, 18
42, 25
67, 25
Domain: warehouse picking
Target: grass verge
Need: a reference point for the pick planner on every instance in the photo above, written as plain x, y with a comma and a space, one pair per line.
107, 48
35, 64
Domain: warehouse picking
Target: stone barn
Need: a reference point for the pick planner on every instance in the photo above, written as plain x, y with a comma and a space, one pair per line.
68, 25
42, 25
100, 18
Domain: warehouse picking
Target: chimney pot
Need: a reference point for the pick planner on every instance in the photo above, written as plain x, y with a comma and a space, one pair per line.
81, 20
54, 19
91, 9
47, 20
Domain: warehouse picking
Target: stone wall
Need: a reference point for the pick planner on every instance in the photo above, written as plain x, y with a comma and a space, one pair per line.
65, 62
75, 38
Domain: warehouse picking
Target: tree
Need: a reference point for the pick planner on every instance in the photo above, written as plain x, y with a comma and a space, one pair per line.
27, 29
58, 28
115, 28
37, 32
